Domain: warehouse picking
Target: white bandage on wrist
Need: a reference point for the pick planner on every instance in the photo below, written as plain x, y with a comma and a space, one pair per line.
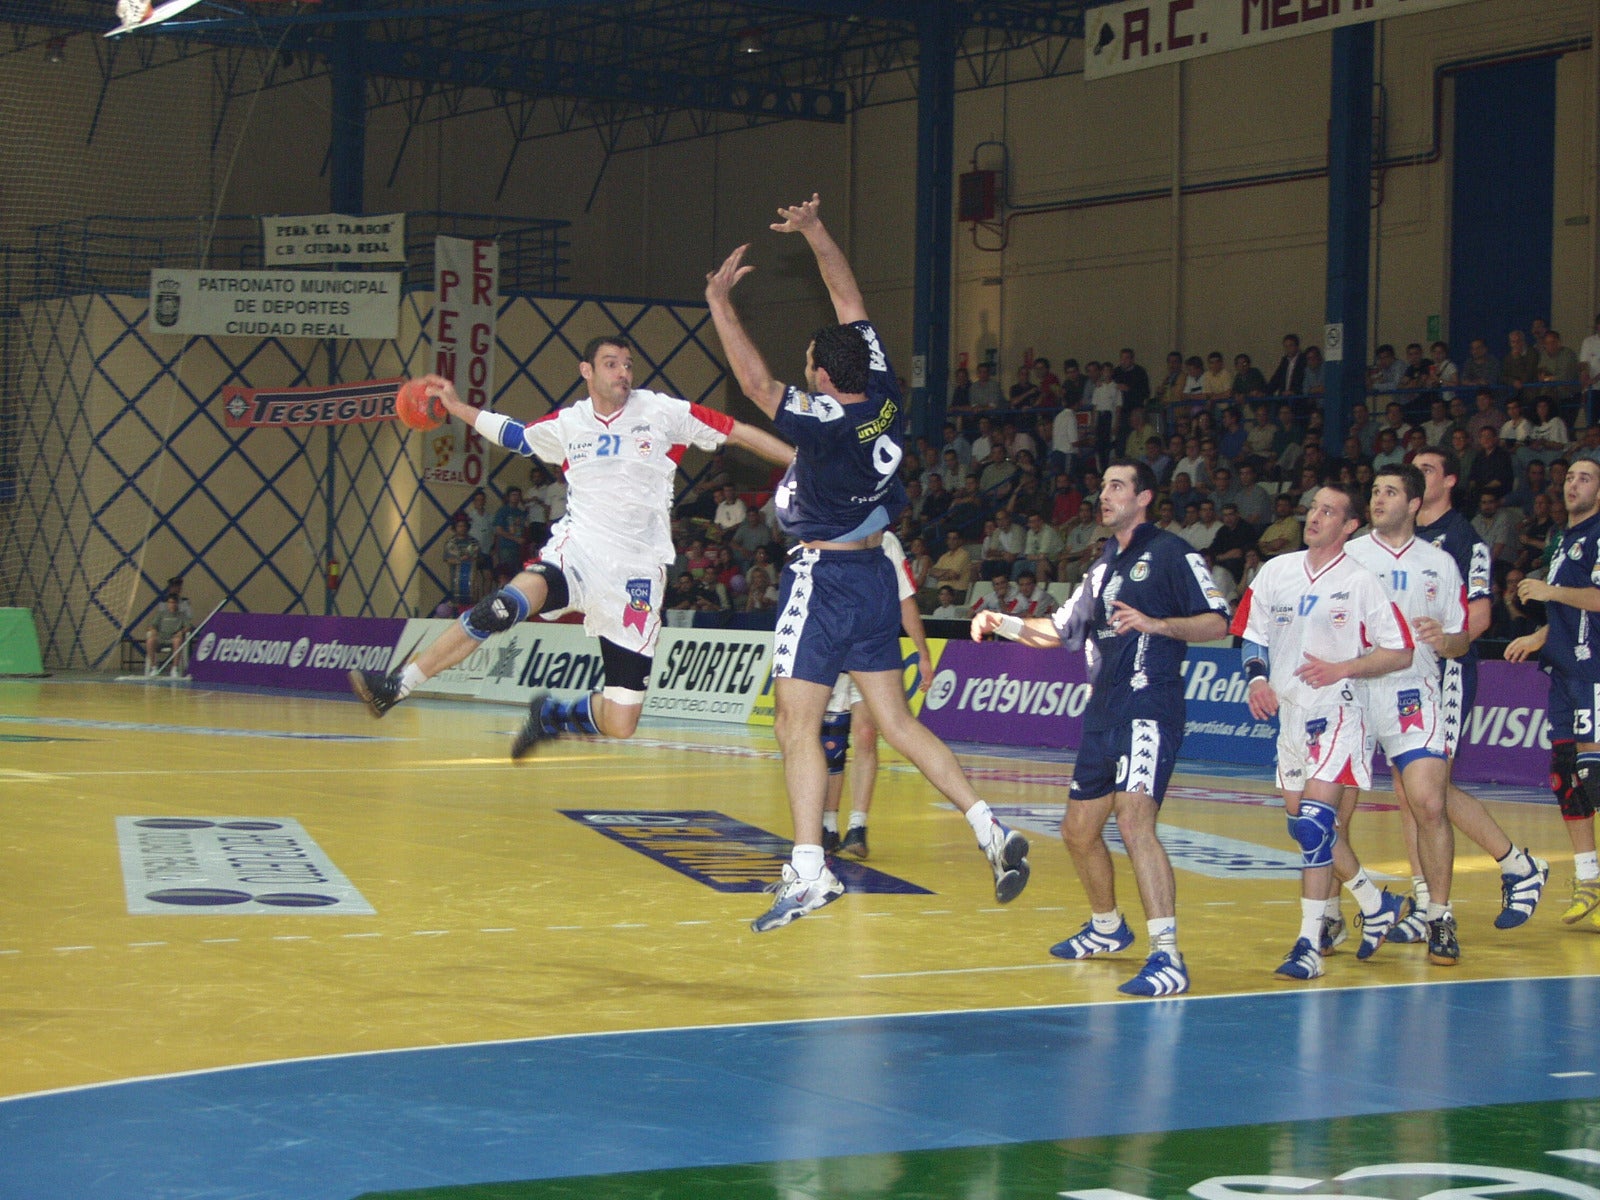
1010, 627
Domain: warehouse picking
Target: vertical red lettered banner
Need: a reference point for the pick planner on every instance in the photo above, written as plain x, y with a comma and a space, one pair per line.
466, 287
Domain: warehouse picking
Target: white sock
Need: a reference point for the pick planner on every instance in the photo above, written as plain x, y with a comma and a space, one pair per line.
858, 819
1331, 907
830, 822
1419, 891
1106, 922
1435, 910
1367, 895
982, 822
1587, 866
1164, 935
808, 862
411, 677
1311, 921
1516, 862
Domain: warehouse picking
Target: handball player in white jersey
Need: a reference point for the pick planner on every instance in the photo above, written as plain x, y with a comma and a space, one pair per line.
838, 609
607, 558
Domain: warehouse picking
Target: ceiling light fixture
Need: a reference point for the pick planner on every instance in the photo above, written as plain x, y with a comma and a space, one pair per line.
751, 41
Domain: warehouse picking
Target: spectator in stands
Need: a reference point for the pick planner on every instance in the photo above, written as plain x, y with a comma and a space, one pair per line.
986, 394
1313, 385
1290, 374
949, 607
1386, 371
987, 437
551, 489
1533, 532
185, 609
1482, 369
1261, 434
1105, 401
1192, 463
1002, 545
1082, 538
998, 478
1042, 544
1031, 600
683, 594
935, 502
168, 629
1486, 414
1548, 437
1495, 527
1218, 379
955, 441
1588, 445
1364, 429
955, 565
1521, 363
1247, 380
999, 598
1231, 443
1063, 441
1024, 392
1442, 371
1492, 469
1169, 392
1559, 363
1252, 568
1388, 452
1131, 380
1436, 429
1516, 429
730, 511
461, 551
1212, 461
1049, 386
919, 562
1223, 490
1509, 616
960, 392
1194, 381
1232, 540
1283, 535
1183, 493
699, 505
510, 528
1166, 517
1017, 440
1064, 502
1141, 428
1028, 497
1072, 384
1417, 367
1589, 373
1203, 531
965, 515
1461, 446
480, 524
1254, 501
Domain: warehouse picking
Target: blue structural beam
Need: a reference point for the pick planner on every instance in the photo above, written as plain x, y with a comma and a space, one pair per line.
930, 339
1349, 225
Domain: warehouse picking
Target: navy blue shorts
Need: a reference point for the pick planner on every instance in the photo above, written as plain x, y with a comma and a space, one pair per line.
1136, 757
1574, 708
838, 610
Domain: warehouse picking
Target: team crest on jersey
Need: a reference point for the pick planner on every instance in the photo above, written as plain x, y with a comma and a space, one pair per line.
1141, 570
1430, 586
1314, 731
633, 616
1577, 550
1339, 617
644, 447
1410, 706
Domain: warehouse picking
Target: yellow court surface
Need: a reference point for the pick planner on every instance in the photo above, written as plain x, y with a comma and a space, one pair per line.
584, 889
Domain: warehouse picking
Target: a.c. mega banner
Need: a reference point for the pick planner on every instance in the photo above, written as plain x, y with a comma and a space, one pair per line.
291, 651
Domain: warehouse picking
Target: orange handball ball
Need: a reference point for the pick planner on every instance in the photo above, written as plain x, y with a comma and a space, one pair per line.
416, 408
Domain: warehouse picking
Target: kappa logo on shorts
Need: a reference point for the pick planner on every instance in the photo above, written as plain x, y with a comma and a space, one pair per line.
633, 617
723, 853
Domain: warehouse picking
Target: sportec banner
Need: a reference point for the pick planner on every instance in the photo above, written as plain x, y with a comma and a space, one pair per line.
302, 407
1135, 34
466, 287
333, 238
313, 304
292, 651
708, 674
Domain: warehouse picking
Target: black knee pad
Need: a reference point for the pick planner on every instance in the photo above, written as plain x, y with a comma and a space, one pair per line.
835, 741
1589, 786
1571, 791
555, 583
504, 610
624, 668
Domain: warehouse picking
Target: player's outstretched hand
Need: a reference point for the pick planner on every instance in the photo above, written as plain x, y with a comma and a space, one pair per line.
438, 385
984, 623
797, 218
720, 282
1521, 649
1318, 673
1262, 701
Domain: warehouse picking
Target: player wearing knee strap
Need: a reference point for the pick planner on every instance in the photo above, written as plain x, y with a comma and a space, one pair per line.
1573, 782
836, 741
504, 610
1315, 830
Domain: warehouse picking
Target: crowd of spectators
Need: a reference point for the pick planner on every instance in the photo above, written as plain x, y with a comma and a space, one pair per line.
1006, 497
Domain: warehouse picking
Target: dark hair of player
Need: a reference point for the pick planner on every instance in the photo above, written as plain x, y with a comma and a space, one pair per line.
1448, 462
1410, 478
1144, 476
841, 351
592, 348
1354, 509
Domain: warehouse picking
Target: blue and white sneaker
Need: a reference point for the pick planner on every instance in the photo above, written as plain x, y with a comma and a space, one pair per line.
1008, 857
796, 898
1089, 941
1334, 933
1163, 974
1392, 910
1304, 962
1519, 894
1411, 930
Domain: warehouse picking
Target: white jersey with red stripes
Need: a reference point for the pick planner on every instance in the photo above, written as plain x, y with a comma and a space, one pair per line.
620, 469
1422, 581
1335, 614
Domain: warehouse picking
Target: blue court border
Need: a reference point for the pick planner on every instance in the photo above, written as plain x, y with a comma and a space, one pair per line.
333, 1128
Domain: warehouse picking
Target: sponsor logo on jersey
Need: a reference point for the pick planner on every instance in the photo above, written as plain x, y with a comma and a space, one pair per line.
723, 853
1339, 617
633, 616
1430, 586
1315, 728
1410, 706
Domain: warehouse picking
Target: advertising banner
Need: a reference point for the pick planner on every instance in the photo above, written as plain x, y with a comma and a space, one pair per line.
303, 407
708, 674
466, 288
1001, 692
292, 651
1134, 34
761, 709
311, 304
535, 656
333, 238
1507, 738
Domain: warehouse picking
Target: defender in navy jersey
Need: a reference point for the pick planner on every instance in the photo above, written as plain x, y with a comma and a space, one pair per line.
838, 605
1142, 602
1522, 877
1569, 648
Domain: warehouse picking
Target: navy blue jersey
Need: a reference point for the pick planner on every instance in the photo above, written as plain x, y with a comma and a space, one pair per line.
1570, 646
1139, 676
1455, 535
843, 484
